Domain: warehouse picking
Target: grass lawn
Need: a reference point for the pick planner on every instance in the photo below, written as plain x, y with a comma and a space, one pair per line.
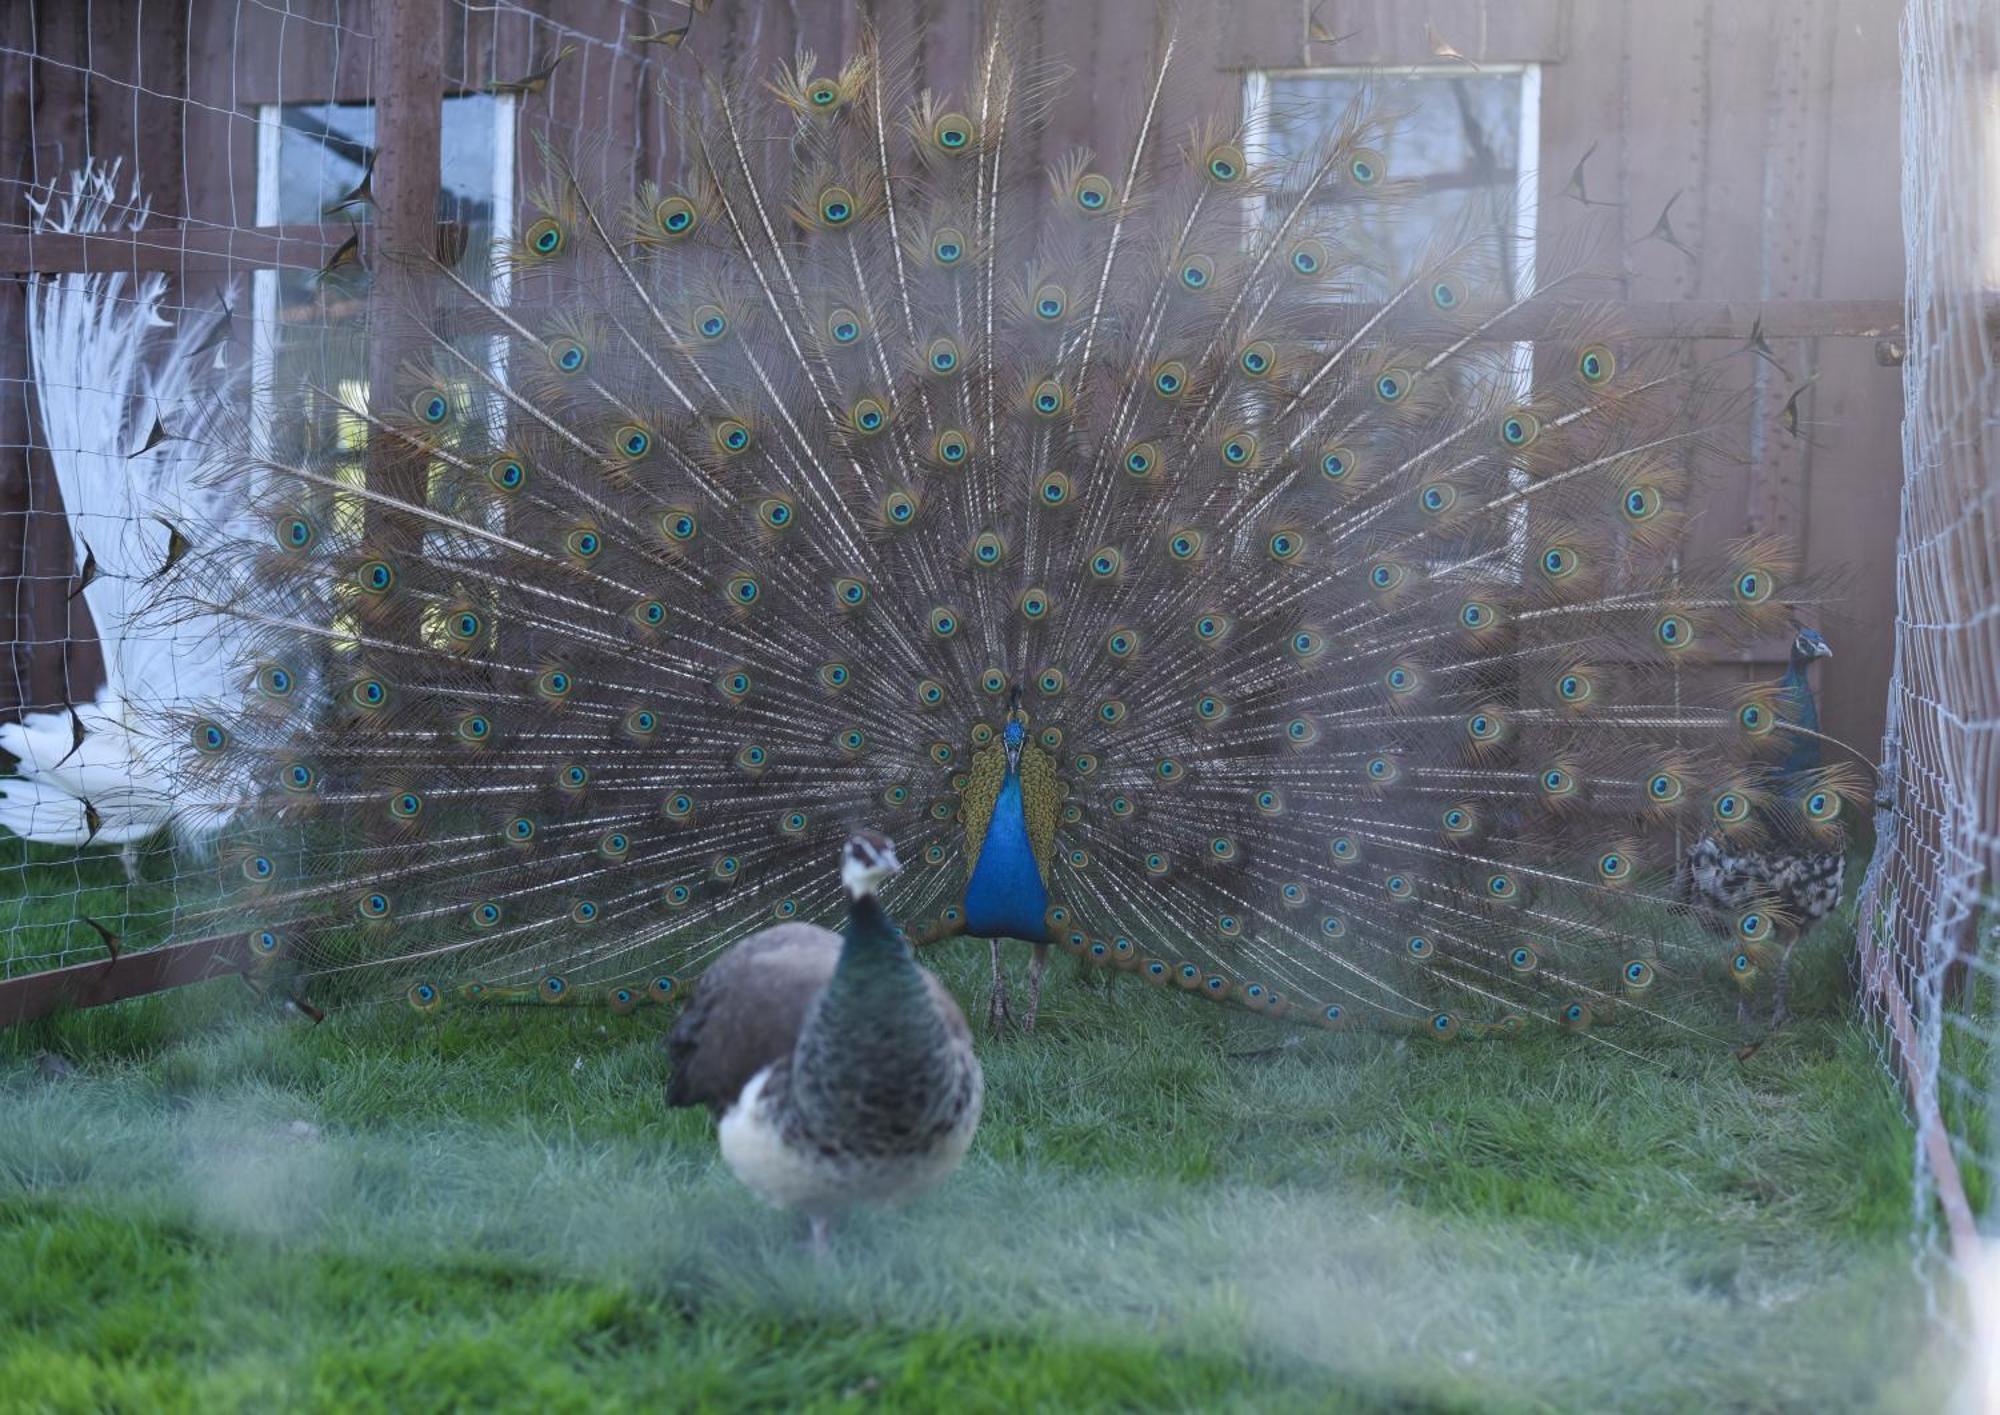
214, 1207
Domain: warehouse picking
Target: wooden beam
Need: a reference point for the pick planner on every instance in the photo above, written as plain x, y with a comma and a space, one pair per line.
171, 249
114, 979
183, 248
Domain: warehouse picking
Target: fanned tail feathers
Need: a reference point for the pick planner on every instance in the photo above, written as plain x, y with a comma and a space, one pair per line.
1362, 662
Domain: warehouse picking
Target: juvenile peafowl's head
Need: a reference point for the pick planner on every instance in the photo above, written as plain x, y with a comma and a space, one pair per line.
868, 862
1809, 646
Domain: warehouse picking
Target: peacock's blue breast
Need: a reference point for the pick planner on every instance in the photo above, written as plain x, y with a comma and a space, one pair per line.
1006, 897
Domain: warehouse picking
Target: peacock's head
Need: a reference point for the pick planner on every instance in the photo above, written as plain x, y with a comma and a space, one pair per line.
1016, 730
868, 862
1809, 646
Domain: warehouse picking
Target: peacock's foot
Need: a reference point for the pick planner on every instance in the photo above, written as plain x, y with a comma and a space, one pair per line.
1037, 966
997, 1013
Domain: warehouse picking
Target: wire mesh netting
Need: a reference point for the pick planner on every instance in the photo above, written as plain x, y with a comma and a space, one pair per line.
194, 196
1931, 948
195, 202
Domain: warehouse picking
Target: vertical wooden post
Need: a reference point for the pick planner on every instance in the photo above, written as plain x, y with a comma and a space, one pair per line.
407, 75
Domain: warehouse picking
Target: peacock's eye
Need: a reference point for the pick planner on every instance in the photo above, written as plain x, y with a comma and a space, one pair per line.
836, 206
546, 236
676, 216
1642, 503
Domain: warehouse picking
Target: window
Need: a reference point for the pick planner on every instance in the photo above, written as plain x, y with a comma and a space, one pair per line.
1469, 141
310, 156
1466, 140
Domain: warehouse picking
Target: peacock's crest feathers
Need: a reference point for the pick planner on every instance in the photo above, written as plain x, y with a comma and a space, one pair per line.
1354, 673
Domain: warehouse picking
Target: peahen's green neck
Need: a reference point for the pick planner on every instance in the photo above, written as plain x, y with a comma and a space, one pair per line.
872, 1024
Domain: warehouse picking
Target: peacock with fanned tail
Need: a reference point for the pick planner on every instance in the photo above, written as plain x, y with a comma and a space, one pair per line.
1179, 579
1770, 888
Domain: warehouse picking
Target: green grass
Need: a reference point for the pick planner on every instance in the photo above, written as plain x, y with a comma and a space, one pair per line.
220, 1208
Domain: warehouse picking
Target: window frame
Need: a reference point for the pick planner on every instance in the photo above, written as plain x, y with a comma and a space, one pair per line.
264, 283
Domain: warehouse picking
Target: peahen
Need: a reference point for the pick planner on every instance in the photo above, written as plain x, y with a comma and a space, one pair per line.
841, 1072
1180, 577
1793, 869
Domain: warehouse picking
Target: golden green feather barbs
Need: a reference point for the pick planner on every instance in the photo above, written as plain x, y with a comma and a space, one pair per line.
1136, 524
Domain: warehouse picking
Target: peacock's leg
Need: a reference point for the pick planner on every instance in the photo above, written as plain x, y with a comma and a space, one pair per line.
1781, 989
996, 1005
1038, 964
817, 1242
128, 856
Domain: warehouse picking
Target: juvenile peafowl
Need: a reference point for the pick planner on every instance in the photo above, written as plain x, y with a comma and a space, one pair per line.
840, 1071
1792, 870
1181, 578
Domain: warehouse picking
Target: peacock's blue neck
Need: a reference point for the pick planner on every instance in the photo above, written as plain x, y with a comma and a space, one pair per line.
1802, 711
1005, 897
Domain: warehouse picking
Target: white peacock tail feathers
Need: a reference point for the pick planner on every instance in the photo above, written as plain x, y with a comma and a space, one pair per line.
125, 398
1359, 665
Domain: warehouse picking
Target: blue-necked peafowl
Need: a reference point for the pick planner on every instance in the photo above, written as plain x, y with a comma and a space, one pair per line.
1790, 871
841, 1072
1181, 579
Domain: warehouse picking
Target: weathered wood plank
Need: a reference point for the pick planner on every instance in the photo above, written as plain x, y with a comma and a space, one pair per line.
93, 984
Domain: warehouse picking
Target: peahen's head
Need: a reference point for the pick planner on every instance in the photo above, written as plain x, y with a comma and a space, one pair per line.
868, 862
1809, 646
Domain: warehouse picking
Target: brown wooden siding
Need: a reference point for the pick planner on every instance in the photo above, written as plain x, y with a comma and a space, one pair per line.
1776, 123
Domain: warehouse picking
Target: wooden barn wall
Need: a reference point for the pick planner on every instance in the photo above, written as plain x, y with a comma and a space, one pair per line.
1775, 123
